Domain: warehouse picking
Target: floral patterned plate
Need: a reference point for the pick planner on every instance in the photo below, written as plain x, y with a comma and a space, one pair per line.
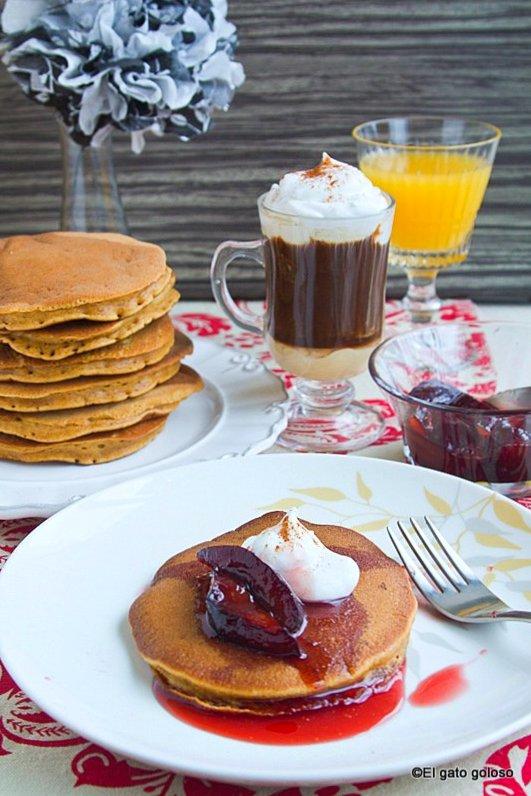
66, 590
240, 411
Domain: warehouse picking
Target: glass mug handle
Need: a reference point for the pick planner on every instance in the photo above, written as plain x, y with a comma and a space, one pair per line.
224, 255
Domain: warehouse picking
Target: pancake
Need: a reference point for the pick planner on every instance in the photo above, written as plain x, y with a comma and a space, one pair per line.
90, 390
65, 424
364, 634
102, 311
92, 449
76, 275
142, 348
66, 339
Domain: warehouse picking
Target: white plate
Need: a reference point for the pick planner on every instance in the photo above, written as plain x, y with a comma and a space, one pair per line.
240, 411
66, 590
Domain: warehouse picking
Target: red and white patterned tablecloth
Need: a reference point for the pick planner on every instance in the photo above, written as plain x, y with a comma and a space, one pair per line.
40, 757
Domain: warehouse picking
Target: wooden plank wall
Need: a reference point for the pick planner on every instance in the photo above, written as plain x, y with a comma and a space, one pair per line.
314, 69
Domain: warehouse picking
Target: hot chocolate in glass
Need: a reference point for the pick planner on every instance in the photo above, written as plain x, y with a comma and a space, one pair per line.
324, 248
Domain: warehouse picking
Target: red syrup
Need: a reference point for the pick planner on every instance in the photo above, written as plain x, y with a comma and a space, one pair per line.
442, 686
439, 687
317, 725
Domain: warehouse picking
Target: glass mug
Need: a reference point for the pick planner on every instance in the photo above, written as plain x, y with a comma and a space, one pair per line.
325, 299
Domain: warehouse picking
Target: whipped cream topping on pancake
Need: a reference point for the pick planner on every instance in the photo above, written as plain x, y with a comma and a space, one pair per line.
312, 570
332, 189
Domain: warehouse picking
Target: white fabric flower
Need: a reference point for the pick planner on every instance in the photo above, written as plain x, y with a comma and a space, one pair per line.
134, 64
19, 15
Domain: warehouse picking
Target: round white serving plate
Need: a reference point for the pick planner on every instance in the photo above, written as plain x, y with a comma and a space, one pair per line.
66, 590
240, 411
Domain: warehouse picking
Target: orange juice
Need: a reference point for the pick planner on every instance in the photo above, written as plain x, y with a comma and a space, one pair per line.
438, 195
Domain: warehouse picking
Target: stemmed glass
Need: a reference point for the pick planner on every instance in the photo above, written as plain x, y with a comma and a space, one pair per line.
437, 169
325, 290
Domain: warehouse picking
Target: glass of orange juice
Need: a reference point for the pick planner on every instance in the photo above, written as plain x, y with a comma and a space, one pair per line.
437, 170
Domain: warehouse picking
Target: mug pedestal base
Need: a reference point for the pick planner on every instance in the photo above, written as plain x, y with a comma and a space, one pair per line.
352, 427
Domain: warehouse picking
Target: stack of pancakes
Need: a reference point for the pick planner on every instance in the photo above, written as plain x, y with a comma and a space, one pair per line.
90, 365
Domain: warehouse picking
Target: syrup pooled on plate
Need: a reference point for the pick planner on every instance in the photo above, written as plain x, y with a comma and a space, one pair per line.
440, 687
481, 443
331, 718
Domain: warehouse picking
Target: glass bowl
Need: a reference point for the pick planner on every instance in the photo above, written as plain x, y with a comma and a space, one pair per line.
481, 436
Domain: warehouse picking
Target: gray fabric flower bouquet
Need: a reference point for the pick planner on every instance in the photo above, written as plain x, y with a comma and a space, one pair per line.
138, 65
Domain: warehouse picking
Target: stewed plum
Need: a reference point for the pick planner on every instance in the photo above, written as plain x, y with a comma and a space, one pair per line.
266, 586
248, 603
442, 394
480, 443
233, 614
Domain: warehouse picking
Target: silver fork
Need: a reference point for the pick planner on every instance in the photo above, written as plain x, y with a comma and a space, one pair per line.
445, 580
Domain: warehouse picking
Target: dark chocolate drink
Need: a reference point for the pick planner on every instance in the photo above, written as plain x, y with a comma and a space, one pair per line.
325, 295
325, 304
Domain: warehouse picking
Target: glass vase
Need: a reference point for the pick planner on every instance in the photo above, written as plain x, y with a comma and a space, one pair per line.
90, 196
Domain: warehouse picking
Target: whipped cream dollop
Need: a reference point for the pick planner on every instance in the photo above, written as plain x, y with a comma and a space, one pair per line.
313, 571
331, 189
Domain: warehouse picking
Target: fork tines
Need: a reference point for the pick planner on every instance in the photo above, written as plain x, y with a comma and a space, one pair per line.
436, 568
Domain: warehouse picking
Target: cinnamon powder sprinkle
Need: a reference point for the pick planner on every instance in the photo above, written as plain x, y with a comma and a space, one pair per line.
321, 170
284, 529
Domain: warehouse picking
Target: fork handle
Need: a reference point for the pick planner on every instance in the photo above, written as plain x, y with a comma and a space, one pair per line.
521, 616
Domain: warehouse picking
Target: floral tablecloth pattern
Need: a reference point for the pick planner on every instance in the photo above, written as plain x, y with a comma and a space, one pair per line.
39, 756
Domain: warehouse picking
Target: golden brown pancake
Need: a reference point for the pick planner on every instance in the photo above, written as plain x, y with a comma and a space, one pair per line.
142, 348
66, 339
99, 276
366, 633
92, 449
65, 424
102, 311
90, 390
